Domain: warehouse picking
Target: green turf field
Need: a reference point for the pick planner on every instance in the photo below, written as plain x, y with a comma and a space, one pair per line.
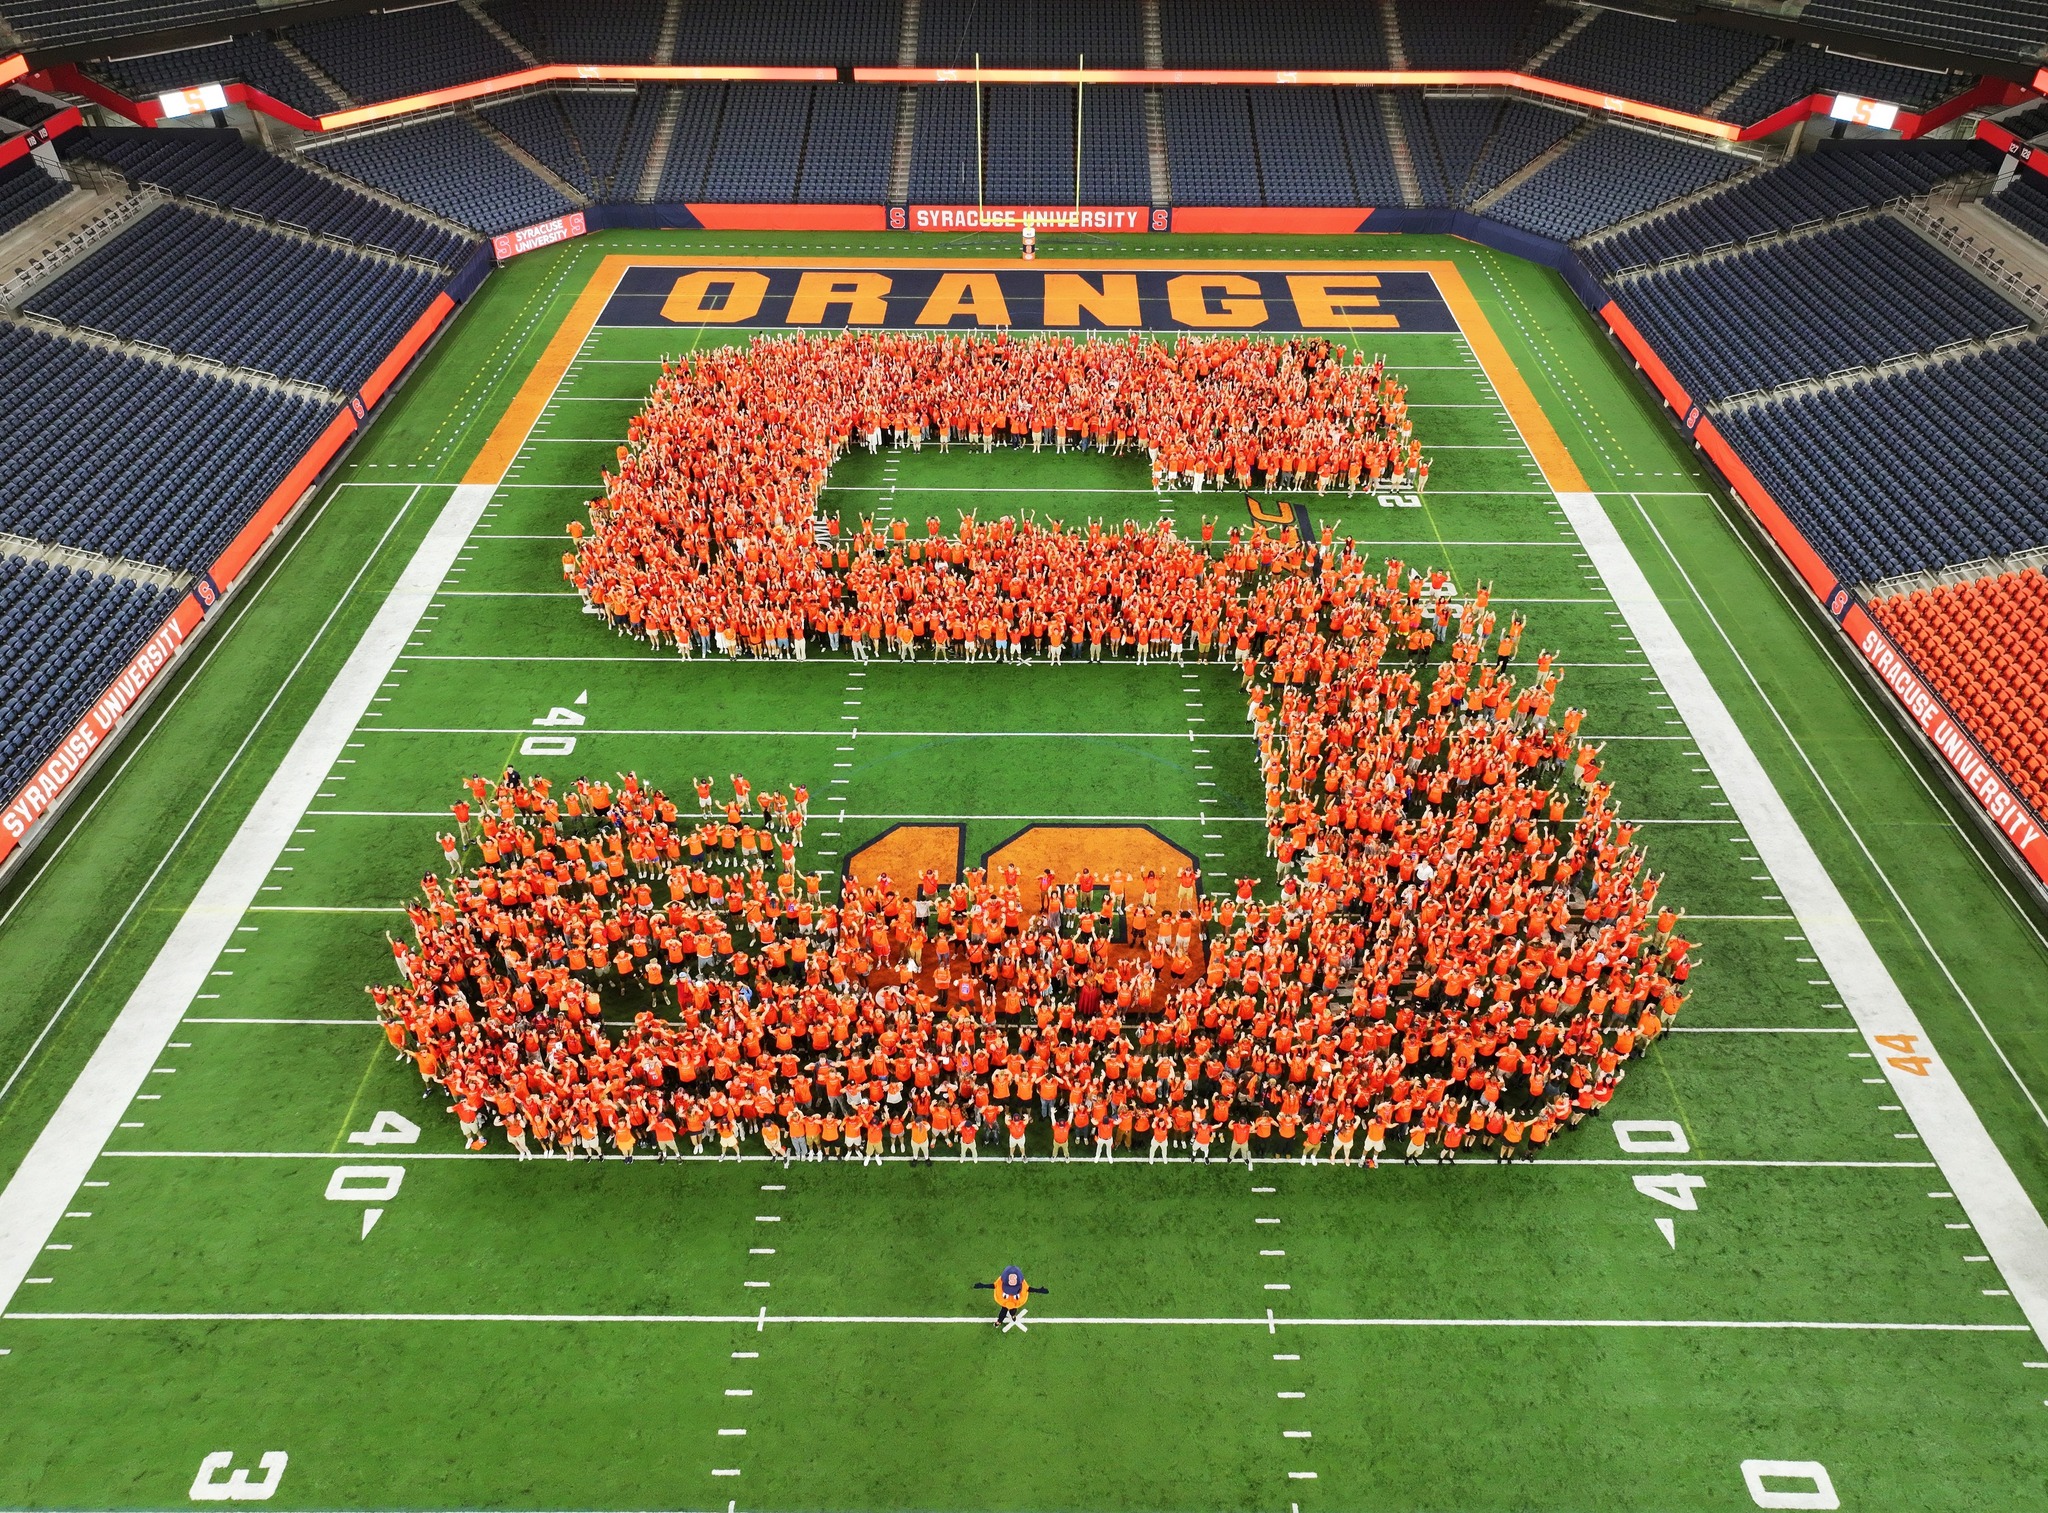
573, 1336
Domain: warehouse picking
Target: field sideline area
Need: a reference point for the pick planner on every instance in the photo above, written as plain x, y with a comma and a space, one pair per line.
1847, 1297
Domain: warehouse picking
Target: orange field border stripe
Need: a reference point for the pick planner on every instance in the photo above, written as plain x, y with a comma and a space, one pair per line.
1559, 469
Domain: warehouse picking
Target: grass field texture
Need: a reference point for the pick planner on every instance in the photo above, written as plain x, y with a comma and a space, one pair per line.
558, 1336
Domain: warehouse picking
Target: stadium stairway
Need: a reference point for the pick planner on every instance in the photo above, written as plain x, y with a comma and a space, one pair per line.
1537, 164
322, 80
1390, 29
1978, 237
511, 43
525, 159
1718, 106
671, 31
42, 247
1585, 18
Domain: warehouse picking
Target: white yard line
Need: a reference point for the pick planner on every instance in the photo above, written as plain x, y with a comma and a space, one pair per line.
994, 1165
43, 1185
980, 1320
1974, 1167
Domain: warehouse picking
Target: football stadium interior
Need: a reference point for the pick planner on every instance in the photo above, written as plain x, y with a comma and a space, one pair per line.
1343, 702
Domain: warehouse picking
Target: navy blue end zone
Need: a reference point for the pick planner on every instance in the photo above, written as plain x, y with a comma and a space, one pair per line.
1029, 298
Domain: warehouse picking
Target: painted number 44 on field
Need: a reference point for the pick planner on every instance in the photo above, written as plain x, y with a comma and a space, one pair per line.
1906, 1057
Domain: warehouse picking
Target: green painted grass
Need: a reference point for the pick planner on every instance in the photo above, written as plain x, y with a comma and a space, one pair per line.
930, 1415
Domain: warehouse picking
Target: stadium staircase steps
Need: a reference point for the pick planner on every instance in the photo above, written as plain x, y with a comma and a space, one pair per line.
1550, 49
1397, 143
1156, 168
484, 19
1990, 248
1735, 91
899, 150
207, 366
1397, 51
658, 146
306, 164
342, 99
525, 159
50, 241
671, 30
78, 559
1157, 172
911, 24
1536, 165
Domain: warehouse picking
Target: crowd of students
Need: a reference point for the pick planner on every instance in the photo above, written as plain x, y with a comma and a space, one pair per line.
1464, 952
708, 537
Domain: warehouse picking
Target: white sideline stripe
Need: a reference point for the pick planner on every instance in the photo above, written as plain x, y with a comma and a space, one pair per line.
62, 1157
1975, 1168
981, 1320
867, 735
995, 1164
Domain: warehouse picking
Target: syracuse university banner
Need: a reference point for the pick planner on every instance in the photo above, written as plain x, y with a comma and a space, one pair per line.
1024, 298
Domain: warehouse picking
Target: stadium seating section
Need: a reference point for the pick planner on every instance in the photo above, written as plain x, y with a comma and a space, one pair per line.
384, 55
65, 634
846, 156
794, 32
1685, 67
1802, 71
2024, 202
252, 59
22, 109
1975, 28
1845, 178
25, 189
1476, 33
51, 22
1808, 306
449, 166
1271, 34
1912, 470
2027, 124
1608, 175
206, 286
575, 31
124, 455
1522, 132
1030, 33
1983, 646
219, 168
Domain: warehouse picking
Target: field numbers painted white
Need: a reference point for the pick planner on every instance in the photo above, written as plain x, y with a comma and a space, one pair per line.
1818, 1492
559, 715
1646, 1137
347, 1185
388, 1128
238, 1487
1674, 1188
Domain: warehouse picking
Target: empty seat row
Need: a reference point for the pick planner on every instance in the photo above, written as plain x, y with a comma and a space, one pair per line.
1608, 175
1853, 296
1674, 63
65, 635
1982, 645
1841, 179
210, 287
1910, 470
222, 169
449, 166
132, 457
